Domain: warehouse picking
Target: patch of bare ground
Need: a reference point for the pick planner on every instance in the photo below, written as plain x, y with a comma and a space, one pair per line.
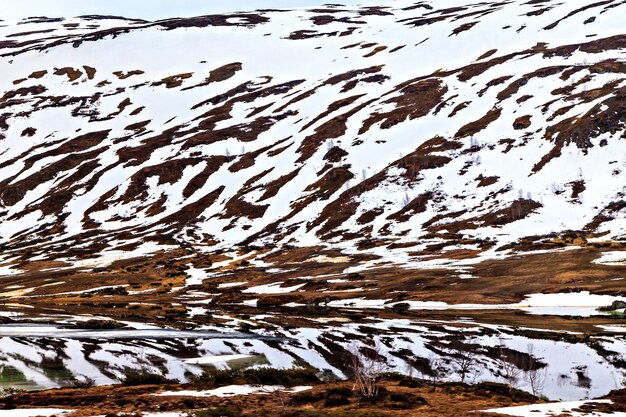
123, 75
220, 74
398, 396
495, 281
375, 51
522, 122
331, 129
414, 100
418, 205
322, 20
577, 11
480, 124
464, 27
232, 19
606, 214
38, 74
609, 115
350, 78
345, 206
173, 81
72, 73
333, 107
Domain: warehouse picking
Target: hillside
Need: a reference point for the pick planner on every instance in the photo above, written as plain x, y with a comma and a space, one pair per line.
414, 135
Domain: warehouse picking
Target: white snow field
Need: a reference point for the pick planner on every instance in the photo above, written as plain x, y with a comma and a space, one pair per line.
554, 409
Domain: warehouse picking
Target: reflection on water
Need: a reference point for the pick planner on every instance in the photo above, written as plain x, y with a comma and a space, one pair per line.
47, 362
35, 331
33, 357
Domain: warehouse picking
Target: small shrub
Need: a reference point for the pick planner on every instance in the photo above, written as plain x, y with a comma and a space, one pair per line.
320, 413
342, 391
121, 415
102, 324
401, 307
616, 309
327, 376
406, 400
381, 395
86, 383
217, 412
212, 378
337, 396
409, 382
286, 377
335, 400
305, 397
143, 378
489, 388
9, 392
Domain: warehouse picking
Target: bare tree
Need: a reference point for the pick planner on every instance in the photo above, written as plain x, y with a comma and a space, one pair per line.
406, 200
464, 359
535, 372
510, 372
436, 369
556, 188
368, 369
409, 369
278, 390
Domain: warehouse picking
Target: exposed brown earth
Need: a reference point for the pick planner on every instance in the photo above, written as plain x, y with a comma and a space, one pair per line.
422, 400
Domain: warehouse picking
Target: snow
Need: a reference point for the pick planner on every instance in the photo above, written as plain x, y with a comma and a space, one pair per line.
286, 60
196, 276
10, 314
551, 409
324, 258
147, 9
582, 304
165, 414
233, 390
231, 284
80, 367
196, 311
105, 357
570, 299
274, 288
207, 360
611, 258
614, 328
34, 412
251, 303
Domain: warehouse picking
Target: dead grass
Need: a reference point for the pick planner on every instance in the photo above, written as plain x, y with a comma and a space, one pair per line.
327, 400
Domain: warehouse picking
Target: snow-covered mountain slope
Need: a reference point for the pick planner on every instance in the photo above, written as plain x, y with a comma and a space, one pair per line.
396, 130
